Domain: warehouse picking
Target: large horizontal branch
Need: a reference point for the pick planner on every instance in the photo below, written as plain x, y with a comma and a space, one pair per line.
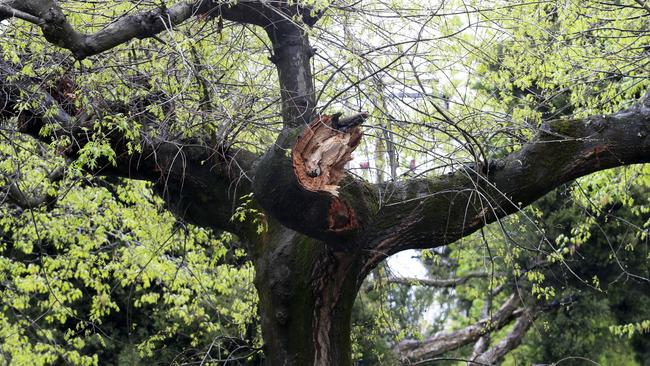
200, 184
426, 213
14, 90
413, 350
51, 18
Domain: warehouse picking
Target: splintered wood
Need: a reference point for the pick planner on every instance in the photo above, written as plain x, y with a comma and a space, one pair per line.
320, 154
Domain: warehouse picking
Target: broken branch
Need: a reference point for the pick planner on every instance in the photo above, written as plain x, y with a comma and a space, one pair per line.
321, 152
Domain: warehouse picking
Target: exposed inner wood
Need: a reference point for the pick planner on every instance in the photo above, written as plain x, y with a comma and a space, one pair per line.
340, 216
320, 154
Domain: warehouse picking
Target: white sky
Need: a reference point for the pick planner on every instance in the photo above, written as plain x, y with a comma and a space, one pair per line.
403, 264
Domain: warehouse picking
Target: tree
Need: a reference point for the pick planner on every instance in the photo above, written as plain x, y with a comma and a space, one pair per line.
575, 305
313, 231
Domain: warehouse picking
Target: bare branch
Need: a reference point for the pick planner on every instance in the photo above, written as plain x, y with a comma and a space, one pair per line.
9, 12
442, 282
479, 332
509, 343
57, 30
482, 343
644, 5
413, 350
32, 200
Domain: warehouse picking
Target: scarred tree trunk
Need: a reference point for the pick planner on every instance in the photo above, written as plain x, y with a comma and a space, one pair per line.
306, 295
306, 284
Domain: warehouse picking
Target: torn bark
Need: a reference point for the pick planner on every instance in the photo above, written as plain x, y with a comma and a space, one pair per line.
321, 152
340, 216
319, 157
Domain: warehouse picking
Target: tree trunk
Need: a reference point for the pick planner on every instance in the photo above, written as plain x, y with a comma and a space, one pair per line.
306, 295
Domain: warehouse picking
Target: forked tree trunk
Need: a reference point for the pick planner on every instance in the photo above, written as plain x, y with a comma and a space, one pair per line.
306, 295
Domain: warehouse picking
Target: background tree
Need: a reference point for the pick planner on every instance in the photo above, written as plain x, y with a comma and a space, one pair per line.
583, 302
214, 101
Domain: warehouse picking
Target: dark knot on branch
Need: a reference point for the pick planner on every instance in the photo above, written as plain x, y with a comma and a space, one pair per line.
347, 123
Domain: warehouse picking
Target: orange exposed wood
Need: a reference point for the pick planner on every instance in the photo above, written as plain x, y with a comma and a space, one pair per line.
321, 153
340, 217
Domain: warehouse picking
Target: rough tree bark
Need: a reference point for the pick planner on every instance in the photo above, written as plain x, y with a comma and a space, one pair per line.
314, 256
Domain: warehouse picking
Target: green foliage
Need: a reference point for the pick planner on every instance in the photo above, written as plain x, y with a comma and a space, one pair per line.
582, 251
383, 315
631, 328
107, 276
594, 253
245, 211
